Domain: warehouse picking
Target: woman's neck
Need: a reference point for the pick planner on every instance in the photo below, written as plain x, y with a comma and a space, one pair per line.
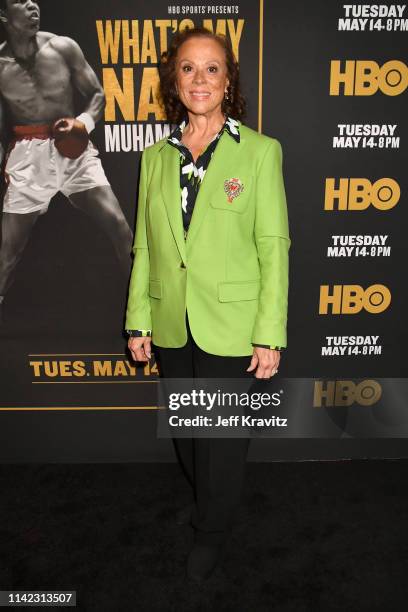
202, 127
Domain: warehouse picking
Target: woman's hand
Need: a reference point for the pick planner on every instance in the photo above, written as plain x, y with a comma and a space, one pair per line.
140, 347
266, 361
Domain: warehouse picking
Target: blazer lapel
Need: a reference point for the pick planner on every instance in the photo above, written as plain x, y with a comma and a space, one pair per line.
223, 164
170, 189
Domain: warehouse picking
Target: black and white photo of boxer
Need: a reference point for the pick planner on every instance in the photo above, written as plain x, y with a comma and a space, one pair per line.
49, 150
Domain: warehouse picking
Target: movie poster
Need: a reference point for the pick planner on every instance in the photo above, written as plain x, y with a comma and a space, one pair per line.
328, 81
68, 223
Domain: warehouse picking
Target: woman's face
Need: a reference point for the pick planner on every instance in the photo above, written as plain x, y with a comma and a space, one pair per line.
201, 75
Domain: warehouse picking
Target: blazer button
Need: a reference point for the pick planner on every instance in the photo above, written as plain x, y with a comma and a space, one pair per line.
182, 265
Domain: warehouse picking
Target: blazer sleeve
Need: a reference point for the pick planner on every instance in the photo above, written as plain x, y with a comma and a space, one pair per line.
272, 239
138, 312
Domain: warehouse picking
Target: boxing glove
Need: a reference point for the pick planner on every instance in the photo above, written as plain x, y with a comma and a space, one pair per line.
71, 137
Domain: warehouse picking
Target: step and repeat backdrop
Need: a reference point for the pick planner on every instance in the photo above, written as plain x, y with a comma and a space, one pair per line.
329, 81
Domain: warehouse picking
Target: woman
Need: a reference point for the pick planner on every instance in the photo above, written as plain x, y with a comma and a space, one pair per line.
209, 289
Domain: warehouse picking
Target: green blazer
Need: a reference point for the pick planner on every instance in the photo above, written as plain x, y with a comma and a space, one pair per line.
231, 273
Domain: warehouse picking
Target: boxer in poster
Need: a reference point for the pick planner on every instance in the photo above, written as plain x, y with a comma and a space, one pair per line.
49, 149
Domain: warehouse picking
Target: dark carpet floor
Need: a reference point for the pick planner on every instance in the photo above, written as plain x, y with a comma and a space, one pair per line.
309, 537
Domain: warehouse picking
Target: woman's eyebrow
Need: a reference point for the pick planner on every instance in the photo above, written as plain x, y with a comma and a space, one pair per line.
184, 59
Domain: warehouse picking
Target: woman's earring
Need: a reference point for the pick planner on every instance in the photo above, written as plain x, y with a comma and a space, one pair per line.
226, 95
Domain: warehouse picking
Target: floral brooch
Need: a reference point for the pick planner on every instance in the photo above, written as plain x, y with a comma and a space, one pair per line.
233, 187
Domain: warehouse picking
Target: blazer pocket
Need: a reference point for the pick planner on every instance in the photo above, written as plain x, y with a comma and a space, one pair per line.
239, 204
236, 291
155, 288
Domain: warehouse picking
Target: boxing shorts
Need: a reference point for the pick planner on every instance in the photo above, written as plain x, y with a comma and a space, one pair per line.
35, 171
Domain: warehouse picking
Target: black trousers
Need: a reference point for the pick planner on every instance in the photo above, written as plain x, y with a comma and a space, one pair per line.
214, 467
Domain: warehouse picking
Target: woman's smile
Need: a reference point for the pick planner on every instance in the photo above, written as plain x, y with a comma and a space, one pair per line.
198, 95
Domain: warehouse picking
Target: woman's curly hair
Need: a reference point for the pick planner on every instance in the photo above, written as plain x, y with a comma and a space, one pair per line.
175, 110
